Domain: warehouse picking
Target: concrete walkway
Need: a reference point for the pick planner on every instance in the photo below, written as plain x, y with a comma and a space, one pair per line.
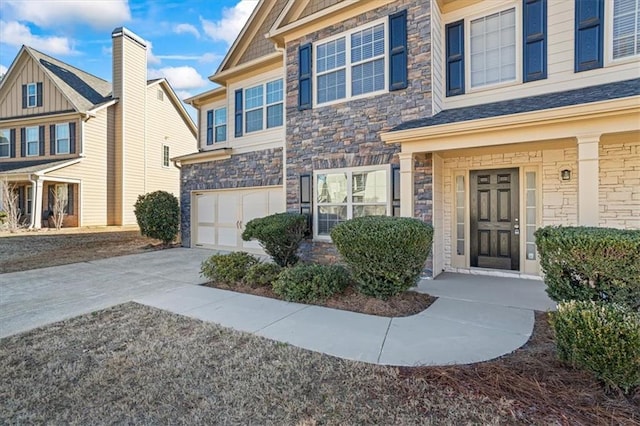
475, 318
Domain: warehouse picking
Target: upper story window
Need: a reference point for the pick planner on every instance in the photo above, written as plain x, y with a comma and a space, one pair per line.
263, 106
351, 65
62, 139
626, 28
5, 140
165, 156
32, 141
32, 95
493, 48
216, 125
343, 194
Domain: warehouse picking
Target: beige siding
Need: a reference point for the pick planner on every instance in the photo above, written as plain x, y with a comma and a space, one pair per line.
92, 171
560, 56
620, 184
116, 112
27, 71
114, 171
165, 126
437, 59
46, 122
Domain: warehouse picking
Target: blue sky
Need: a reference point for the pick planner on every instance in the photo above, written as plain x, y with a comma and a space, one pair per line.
188, 38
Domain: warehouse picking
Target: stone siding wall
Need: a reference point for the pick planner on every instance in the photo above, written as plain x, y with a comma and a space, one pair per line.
620, 185
253, 169
347, 134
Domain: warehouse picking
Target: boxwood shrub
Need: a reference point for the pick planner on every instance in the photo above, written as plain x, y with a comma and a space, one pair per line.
385, 254
158, 215
228, 268
311, 283
601, 337
279, 235
262, 274
582, 263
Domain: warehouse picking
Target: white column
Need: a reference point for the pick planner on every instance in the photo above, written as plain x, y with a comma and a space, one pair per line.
37, 201
406, 184
588, 180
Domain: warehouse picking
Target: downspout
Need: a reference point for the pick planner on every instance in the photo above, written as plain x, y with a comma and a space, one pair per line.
284, 120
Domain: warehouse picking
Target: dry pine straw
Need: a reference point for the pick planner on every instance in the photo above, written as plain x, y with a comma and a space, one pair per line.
135, 364
405, 304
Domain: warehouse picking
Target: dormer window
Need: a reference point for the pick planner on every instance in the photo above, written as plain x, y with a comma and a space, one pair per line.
31, 95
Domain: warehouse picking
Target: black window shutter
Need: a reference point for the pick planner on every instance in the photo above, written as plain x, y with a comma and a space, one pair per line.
41, 139
398, 51
238, 113
39, 94
210, 127
305, 65
589, 34
24, 96
535, 40
23, 142
69, 199
52, 193
72, 138
52, 140
21, 200
12, 142
306, 194
455, 58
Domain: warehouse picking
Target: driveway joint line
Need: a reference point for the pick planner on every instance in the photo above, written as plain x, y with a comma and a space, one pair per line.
384, 340
280, 319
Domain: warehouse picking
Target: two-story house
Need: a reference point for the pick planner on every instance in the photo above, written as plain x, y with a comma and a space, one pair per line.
96, 145
488, 119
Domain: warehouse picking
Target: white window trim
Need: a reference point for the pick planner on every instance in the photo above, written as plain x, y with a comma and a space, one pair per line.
35, 95
349, 65
166, 164
608, 40
58, 139
8, 144
28, 199
467, 47
349, 204
215, 127
263, 107
37, 141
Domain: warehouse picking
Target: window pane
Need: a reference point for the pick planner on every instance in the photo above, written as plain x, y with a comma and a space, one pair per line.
359, 211
368, 77
4, 143
330, 216
332, 86
492, 43
62, 146
274, 116
254, 120
32, 89
274, 92
221, 133
221, 116
332, 188
62, 131
369, 187
331, 55
253, 97
626, 28
367, 43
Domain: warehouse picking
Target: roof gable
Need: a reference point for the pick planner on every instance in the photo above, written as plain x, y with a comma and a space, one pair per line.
177, 104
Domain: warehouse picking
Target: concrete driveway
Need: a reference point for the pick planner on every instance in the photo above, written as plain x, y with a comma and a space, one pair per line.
30, 299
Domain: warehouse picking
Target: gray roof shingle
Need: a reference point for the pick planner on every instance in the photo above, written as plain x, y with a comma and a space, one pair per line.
603, 92
33, 166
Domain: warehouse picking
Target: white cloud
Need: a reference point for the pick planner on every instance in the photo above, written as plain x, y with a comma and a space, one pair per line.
209, 57
186, 28
16, 34
233, 19
151, 58
180, 78
3, 69
104, 14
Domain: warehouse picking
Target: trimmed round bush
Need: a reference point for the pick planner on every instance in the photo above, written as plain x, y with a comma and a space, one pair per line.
158, 215
279, 235
262, 274
228, 268
311, 283
600, 337
583, 263
385, 254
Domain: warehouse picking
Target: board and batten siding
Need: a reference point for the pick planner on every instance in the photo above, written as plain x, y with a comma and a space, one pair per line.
560, 55
165, 126
28, 71
92, 171
437, 59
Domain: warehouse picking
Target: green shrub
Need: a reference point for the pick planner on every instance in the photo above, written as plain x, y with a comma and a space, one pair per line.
600, 337
279, 235
158, 215
581, 263
386, 254
311, 283
228, 268
262, 274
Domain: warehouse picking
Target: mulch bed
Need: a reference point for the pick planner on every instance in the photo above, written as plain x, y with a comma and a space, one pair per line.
405, 304
538, 385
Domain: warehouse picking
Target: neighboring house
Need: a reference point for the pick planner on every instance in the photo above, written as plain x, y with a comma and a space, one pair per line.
488, 119
96, 145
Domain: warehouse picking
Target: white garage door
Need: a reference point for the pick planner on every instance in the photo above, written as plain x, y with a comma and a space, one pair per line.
219, 217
